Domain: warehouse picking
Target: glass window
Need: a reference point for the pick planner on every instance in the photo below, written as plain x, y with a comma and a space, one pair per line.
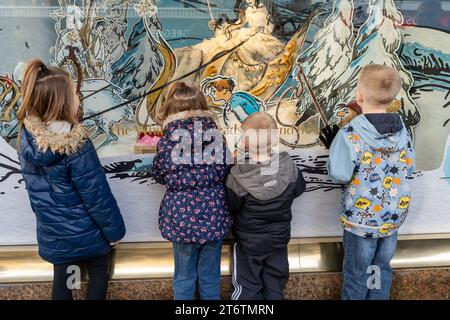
298, 60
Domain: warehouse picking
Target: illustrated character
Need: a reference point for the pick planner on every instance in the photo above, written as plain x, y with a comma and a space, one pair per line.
101, 31
221, 90
252, 14
74, 17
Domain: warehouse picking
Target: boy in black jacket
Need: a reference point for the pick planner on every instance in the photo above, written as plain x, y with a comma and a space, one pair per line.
260, 193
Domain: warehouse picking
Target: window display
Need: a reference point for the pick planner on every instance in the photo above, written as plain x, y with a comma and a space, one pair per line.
297, 60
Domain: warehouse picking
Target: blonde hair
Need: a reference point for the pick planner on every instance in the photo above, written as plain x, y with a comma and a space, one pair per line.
258, 131
380, 83
181, 97
47, 94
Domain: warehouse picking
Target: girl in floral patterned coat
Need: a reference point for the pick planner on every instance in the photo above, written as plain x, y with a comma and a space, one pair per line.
191, 161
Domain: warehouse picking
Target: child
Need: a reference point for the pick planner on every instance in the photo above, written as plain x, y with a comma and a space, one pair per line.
193, 214
260, 195
77, 216
373, 156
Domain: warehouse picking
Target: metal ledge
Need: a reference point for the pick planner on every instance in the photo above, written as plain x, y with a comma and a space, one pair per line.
21, 264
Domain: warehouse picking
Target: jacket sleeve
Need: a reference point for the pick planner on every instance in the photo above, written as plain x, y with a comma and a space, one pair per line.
161, 161
300, 185
342, 162
234, 202
223, 168
89, 179
411, 160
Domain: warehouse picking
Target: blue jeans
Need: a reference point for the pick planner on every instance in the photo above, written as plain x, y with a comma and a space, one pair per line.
197, 262
367, 271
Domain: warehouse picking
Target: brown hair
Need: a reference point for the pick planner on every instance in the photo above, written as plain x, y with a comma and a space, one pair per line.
380, 83
181, 97
47, 94
220, 83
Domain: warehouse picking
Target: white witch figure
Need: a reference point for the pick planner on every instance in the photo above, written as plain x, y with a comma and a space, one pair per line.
70, 36
101, 31
253, 15
74, 17
252, 28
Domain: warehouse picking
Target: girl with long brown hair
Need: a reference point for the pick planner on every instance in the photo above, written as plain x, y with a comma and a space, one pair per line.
77, 217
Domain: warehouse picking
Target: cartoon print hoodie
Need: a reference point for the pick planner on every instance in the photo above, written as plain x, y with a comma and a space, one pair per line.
373, 156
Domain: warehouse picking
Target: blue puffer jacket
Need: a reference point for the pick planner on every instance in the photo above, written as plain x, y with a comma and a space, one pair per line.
76, 214
194, 208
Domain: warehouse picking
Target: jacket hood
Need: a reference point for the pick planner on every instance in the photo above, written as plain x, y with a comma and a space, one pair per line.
381, 131
264, 181
189, 114
42, 147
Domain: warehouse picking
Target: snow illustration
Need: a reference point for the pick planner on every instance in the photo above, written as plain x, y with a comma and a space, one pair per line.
140, 65
426, 54
377, 42
328, 57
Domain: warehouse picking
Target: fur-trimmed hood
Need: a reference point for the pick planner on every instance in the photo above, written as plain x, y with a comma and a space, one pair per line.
190, 114
43, 147
63, 143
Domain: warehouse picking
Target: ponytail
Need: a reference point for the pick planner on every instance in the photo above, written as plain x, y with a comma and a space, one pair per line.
30, 75
47, 93
33, 70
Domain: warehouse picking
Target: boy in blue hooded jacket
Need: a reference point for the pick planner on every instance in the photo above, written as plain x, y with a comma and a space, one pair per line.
373, 156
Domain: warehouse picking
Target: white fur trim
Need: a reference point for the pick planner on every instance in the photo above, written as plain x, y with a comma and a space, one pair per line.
64, 142
189, 114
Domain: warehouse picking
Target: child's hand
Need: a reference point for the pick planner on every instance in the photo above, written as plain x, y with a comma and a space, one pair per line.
327, 135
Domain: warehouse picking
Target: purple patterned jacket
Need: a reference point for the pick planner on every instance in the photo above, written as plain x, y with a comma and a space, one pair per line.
194, 207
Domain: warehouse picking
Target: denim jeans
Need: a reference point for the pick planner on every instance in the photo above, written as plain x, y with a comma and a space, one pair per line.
367, 271
197, 262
